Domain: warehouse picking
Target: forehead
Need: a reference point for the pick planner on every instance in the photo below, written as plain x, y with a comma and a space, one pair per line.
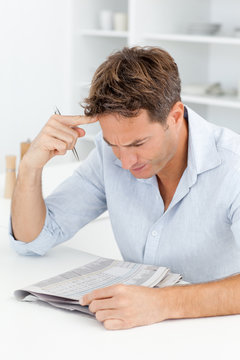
115, 124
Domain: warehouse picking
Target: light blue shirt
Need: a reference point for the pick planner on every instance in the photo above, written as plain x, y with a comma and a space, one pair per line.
199, 234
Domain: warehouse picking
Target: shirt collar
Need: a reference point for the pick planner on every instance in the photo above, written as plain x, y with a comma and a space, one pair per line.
202, 150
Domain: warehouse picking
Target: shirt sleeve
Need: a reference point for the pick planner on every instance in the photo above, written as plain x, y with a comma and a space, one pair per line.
73, 204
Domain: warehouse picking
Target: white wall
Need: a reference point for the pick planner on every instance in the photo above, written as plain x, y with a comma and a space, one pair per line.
43, 57
34, 68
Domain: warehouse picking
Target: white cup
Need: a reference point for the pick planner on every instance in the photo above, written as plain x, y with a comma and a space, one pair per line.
237, 31
106, 20
120, 21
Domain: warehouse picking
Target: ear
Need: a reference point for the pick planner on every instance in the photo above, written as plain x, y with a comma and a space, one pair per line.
176, 114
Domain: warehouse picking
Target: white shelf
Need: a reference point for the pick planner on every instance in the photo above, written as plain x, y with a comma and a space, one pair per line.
205, 59
193, 38
223, 101
103, 33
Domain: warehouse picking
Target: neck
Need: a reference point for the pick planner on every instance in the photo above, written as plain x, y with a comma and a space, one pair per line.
172, 172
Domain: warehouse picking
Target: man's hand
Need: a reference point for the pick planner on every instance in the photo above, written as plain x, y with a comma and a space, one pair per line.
28, 207
125, 306
58, 135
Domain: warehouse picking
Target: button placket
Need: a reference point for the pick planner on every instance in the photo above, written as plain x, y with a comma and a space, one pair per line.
154, 233
153, 239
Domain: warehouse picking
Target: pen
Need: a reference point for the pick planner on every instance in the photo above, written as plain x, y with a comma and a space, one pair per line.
57, 112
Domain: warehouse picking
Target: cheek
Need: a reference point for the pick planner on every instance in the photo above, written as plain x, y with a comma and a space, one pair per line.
154, 151
116, 152
157, 151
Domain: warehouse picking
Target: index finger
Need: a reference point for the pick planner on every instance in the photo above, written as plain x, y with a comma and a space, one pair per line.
74, 120
102, 293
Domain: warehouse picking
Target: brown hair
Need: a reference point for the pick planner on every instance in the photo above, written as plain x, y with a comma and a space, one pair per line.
133, 79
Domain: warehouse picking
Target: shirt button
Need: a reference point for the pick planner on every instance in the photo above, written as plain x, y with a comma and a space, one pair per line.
154, 233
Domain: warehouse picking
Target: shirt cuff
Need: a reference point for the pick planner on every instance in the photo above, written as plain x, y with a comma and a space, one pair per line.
43, 242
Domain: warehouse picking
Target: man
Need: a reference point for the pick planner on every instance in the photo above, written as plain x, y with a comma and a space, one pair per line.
169, 179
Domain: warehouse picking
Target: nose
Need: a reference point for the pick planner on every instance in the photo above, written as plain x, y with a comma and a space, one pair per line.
128, 158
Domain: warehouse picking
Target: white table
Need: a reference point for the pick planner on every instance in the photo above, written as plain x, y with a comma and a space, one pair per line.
34, 331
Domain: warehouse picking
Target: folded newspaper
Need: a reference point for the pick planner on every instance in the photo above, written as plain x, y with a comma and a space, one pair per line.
65, 290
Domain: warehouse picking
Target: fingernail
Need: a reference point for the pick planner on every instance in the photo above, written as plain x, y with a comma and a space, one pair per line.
82, 132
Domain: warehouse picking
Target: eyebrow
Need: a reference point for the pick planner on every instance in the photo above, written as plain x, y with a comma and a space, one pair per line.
135, 142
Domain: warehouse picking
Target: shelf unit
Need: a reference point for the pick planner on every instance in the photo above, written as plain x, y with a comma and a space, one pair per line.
221, 40
219, 101
200, 58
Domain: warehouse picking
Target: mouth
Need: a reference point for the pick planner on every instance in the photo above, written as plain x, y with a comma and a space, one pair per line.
138, 168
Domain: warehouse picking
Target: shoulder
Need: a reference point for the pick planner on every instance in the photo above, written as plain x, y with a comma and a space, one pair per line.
227, 140
214, 147
228, 146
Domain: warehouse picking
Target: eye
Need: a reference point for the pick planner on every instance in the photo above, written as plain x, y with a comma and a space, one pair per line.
137, 145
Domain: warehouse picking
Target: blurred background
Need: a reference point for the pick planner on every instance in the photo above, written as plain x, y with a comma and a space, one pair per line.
51, 48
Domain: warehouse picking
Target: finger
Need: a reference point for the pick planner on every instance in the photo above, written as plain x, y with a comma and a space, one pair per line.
97, 305
57, 146
103, 315
70, 130
81, 132
102, 293
75, 120
113, 324
68, 138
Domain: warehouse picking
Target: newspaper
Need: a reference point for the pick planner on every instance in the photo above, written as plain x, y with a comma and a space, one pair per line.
65, 290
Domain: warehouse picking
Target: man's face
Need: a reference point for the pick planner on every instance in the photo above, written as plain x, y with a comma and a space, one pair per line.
144, 148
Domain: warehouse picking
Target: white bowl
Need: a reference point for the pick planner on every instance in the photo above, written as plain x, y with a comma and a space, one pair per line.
204, 28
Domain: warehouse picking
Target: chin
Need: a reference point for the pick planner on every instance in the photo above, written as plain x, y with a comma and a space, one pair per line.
142, 175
